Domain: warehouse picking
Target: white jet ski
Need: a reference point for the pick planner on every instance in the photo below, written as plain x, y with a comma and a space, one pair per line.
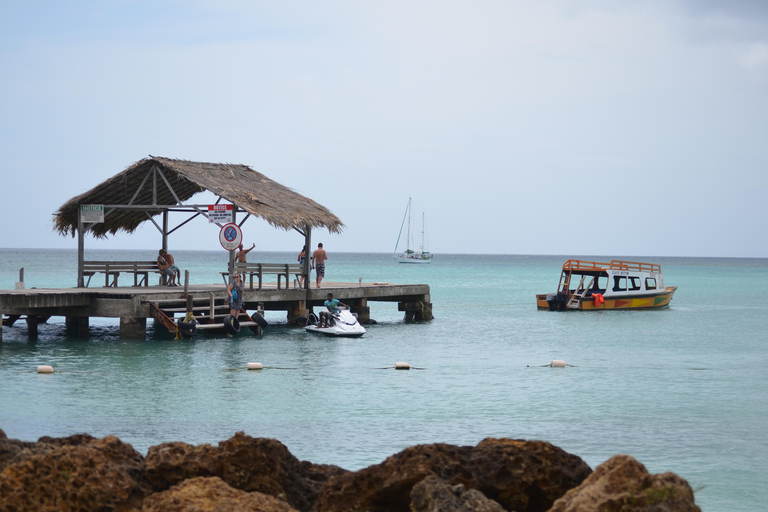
343, 323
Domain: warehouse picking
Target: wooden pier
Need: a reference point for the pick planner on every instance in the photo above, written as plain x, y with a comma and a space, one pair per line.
133, 305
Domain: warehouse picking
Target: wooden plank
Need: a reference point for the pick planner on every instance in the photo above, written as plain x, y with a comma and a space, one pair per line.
207, 327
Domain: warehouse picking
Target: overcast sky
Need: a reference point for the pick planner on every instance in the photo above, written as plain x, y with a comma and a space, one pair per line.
519, 127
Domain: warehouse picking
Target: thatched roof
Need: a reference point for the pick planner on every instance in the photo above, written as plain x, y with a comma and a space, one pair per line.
239, 184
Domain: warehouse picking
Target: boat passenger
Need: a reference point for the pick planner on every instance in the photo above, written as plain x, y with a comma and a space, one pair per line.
333, 309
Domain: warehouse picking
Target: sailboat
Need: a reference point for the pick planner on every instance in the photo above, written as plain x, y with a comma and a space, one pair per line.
410, 255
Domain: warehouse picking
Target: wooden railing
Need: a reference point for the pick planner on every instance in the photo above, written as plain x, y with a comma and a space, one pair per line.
113, 269
582, 265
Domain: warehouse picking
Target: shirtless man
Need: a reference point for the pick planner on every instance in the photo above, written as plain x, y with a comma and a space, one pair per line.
167, 265
319, 257
240, 256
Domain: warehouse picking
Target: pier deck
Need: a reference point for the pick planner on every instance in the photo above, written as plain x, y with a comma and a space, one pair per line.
133, 305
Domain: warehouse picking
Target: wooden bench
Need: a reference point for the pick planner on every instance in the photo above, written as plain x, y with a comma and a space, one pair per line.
113, 269
281, 270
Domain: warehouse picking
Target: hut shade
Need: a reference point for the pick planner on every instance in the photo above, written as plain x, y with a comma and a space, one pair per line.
251, 191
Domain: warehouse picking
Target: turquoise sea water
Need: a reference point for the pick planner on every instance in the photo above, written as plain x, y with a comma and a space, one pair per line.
683, 389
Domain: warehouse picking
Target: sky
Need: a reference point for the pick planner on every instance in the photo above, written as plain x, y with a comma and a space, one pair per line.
568, 127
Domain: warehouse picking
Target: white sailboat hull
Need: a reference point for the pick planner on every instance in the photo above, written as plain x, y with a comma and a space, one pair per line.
418, 260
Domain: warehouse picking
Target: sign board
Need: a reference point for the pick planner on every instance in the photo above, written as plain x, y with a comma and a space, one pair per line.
230, 236
220, 213
92, 213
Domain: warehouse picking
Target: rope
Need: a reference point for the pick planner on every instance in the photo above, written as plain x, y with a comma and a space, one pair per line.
423, 307
393, 367
487, 305
262, 368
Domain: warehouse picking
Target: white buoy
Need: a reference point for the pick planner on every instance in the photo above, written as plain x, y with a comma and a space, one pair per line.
557, 363
255, 366
44, 369
402, 366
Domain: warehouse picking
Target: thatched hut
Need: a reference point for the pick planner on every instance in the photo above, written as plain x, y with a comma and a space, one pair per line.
154, 186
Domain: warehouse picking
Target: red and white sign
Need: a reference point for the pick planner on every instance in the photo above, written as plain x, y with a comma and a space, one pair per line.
230, 236
220, 213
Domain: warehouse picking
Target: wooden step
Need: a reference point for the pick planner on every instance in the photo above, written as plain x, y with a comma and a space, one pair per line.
207, 327
197, 308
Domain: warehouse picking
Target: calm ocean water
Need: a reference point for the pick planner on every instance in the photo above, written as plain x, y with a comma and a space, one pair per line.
683, 389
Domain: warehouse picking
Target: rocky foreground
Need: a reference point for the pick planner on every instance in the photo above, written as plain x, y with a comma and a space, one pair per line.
83, 473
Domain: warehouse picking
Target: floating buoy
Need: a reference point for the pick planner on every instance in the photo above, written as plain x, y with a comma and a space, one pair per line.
557, 363
255, 366
402, 366
45, 369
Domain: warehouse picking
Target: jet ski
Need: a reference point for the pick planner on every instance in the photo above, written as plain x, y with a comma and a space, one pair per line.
342, 323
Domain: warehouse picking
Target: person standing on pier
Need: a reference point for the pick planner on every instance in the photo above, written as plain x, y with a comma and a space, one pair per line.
319, 257
302, 257
235, 291
240, 256
166, 264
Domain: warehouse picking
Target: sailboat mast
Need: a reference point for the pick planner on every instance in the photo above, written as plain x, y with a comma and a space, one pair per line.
408, 239
421, 249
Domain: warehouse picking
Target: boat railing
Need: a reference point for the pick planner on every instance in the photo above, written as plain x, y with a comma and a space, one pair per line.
582, 265
635, 265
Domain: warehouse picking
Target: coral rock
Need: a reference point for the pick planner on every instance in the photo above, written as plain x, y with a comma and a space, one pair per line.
519, 475
243, 462
433, 494
623, 484
13, 451
211, 494
100, 474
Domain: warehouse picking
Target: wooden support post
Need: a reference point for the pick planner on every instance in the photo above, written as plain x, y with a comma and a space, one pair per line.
212, 307
32, 327
80, 247
186, 282
10, 320
77, 326
360, 307
133, 328
296, 310
231, 261
307, 256
419, 311
1, 326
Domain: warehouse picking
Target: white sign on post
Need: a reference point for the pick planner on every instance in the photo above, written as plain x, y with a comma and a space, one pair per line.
221, 213
230, 236
92, 213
